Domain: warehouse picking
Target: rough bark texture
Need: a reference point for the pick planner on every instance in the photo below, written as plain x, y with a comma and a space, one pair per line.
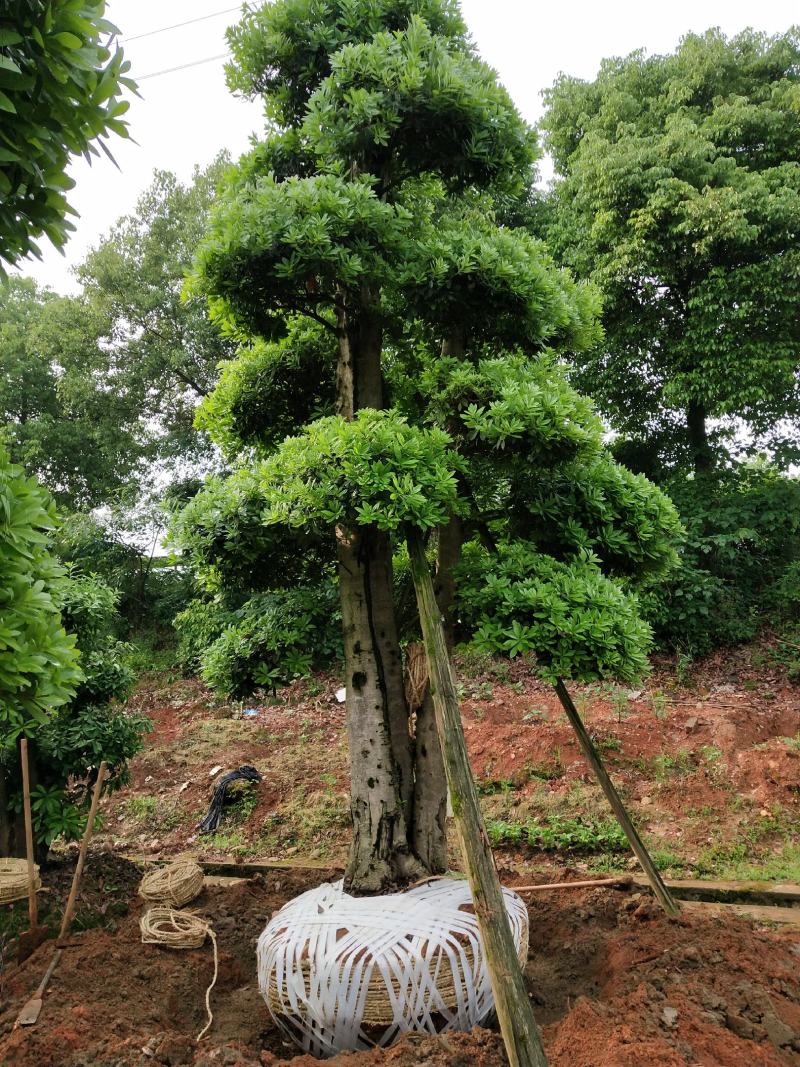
387, 648
449, 556
429, 827
429, 823
380, 856
381, 758
514, 1011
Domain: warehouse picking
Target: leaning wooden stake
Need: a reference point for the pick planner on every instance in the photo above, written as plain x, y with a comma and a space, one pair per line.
517, 1022
66, 922
666, 899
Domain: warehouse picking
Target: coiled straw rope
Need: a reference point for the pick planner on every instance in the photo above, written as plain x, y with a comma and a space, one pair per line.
14, 880
416, 676
162, 925
177, 883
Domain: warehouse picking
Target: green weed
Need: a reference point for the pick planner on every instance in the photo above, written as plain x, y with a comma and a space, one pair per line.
554, 833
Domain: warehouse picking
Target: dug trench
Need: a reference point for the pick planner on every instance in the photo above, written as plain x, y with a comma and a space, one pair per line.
614, 982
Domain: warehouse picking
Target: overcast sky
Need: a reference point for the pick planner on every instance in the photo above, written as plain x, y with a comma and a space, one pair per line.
187, 116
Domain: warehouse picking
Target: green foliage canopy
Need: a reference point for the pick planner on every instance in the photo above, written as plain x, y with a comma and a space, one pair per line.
60, 95
678, 193
38, 661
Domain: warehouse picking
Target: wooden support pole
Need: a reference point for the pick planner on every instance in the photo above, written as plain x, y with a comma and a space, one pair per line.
66, 922
666, 899
517, 1023
33, 907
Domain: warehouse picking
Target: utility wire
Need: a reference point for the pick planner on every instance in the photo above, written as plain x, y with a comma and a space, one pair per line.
177, 26
183, 66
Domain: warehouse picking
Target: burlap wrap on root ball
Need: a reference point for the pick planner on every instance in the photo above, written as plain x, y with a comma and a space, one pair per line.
341, 972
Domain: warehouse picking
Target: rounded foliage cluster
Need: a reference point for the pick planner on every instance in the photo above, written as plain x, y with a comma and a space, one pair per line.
376, 470
575, 621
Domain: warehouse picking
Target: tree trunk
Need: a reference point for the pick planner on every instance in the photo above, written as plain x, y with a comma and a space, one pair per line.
429, 822
429, 827
381, 764
517, 1023
380, 857
449, 556
697, 434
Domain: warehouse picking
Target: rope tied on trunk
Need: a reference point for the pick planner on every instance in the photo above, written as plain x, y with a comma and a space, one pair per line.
177, 883
14, 880
162, 925
416, 680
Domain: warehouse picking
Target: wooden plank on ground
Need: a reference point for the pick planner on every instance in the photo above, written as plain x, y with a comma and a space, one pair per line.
729, 891
758, 913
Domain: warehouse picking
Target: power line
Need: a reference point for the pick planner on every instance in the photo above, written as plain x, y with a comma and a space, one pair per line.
177, 26
183, 66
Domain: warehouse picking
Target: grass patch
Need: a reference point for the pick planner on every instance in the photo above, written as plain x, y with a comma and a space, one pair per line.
307, 822
152, 812
666, 766
556, 833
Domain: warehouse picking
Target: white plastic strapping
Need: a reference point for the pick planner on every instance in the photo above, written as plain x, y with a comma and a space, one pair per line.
341, 972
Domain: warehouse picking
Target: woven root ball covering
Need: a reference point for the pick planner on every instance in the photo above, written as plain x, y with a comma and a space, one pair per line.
14, 880
341, 973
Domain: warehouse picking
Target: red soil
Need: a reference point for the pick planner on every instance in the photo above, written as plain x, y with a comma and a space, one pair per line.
614, 983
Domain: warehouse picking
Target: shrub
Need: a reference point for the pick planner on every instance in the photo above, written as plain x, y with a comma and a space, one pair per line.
272, 639
739, 559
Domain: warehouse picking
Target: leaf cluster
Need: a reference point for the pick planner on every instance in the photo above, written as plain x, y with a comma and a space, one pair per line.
38, 661
60, 95
376, 470
577, 622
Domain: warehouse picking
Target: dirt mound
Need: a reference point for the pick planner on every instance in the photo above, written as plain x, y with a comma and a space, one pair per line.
613, 981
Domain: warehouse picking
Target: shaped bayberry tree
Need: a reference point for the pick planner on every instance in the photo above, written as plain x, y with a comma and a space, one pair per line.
405, 337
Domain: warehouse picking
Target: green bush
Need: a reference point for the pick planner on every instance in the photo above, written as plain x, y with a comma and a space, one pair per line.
577, 622
272, 639
94, 726
739, 560
198, 626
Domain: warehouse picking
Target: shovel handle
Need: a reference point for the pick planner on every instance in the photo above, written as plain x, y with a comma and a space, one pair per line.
87, 833
48, 974
33, 909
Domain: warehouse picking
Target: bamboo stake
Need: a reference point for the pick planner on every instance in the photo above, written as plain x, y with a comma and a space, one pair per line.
87, 833
33, 908
517, 1023
666, 899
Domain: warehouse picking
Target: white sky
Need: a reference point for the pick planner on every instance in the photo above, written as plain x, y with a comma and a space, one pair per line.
187, 116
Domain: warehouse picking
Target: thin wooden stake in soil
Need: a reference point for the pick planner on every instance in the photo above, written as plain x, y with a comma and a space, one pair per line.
517, 1022
32, 1008
31, 938
87, 834
666, 899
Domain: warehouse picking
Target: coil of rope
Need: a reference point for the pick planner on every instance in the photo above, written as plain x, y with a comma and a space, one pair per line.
165, 926
14, 880
177, 883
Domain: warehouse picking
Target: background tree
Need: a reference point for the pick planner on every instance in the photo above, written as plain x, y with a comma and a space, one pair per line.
59, 93
163, 352
369, 211
678, 193
84, 440
60, 86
